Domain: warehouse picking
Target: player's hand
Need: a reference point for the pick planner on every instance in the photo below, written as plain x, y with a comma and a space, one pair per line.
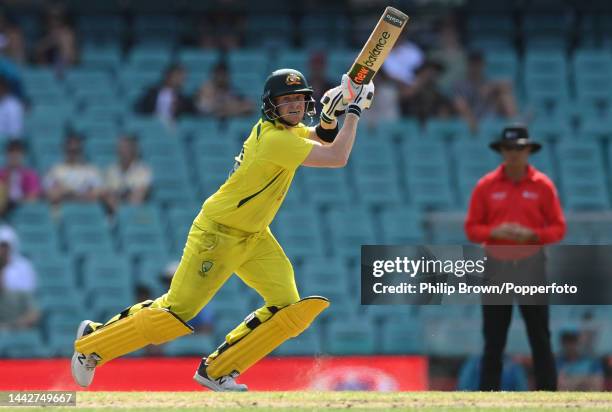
363, 101
333, 105
350, 90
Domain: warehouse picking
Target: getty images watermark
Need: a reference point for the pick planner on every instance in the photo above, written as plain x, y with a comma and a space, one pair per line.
459, 268
468, 274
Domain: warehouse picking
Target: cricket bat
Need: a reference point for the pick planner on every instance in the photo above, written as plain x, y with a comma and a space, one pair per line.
378, 46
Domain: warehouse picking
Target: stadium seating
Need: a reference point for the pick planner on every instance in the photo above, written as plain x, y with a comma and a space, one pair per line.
408, 183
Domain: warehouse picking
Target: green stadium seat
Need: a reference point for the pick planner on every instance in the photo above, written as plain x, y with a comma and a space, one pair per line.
376, 173
105, 58
88, 239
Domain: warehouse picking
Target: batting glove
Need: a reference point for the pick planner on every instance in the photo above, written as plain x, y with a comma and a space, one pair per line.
350, 90
333, 105
363, 101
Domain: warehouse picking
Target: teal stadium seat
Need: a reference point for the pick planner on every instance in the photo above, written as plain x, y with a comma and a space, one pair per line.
141, 231
402, 225
299, 232
502, 64
447, 129
325, 277
339, 61
376, 173
36, 239
401, 336
327, 186
346, 337
253, 60
148, 59
108, 276
582, 176
427, 175
179, 220
293, 58
60, 331
351, 226
190, 345
473, 159
403, 129
102, 57
307, 343
23, 344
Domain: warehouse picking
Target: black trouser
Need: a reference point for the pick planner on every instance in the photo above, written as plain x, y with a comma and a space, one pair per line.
496, 321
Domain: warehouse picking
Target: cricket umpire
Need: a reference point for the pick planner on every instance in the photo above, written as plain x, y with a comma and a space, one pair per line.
514, 211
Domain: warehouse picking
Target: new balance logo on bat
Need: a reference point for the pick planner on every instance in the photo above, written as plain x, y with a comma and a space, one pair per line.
378, 48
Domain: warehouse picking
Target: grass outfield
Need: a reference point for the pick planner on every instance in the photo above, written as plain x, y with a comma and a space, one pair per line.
317, 401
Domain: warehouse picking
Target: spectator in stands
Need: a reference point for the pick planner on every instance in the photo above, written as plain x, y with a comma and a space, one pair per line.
18, 274
75, 179
577, 371
317, 75
18, 183
476, 97
403, 60
12, 44
423, 99
515, 205
58, 45
513, 376
129, 179
166, 100
217, 98
17, 309
450, 53
11, 112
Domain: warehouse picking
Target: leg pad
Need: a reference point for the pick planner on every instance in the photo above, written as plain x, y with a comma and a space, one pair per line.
146, 326
287, 323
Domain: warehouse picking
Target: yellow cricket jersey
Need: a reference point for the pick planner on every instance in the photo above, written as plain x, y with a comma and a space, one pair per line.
251, 196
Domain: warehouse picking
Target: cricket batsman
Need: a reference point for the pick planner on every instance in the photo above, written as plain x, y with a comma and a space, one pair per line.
231, 234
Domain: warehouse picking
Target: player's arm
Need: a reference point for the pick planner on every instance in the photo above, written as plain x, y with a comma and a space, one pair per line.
336, 153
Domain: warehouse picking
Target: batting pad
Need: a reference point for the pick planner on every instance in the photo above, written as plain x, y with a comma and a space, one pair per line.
146, 326
287, 323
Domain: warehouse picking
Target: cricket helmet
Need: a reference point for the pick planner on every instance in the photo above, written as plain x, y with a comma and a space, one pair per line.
283, 82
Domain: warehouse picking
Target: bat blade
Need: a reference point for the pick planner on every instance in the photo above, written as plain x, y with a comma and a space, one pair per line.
378, 46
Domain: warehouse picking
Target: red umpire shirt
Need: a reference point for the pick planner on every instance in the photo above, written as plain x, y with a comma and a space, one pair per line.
532, 202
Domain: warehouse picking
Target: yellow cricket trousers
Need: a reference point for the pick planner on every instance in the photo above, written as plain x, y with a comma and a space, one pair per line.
211, 254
